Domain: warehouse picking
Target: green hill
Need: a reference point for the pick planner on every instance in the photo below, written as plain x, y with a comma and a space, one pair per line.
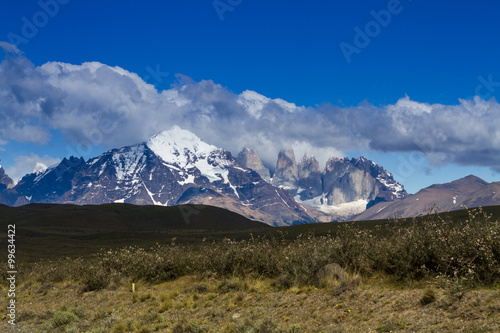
50, 231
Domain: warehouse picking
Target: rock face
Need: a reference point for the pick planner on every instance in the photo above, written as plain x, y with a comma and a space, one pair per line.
5, 181
286, 174
309, 177
249, 159
359, 179
346, 187
171, 168
346, 183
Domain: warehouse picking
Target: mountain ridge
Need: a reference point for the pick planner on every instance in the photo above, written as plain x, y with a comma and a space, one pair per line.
470, 191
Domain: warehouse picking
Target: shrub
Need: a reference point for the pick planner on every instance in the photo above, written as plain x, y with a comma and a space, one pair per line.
428, 297
427, 247
95, 279
63, 317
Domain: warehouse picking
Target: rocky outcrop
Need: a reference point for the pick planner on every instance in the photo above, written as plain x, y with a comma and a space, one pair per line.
346, 183
309, 178
286, 174
5, 181
249, 159
345, 187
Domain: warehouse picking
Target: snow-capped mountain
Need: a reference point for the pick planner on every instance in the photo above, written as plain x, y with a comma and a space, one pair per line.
345, 187
172, 167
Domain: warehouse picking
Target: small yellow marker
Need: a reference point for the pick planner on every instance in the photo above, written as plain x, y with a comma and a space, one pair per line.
133, 287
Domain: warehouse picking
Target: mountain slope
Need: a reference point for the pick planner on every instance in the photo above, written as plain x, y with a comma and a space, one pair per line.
444, 197
488, 195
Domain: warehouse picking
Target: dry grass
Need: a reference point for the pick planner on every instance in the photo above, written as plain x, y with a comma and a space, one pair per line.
436, 275
194, 304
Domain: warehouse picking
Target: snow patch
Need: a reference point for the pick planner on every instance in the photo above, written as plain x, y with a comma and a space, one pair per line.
43, 174
281, 198
393, 186
156, 203
242, 169
39, 168
127, 160
189, 180
103, 167
178, 146
344, 209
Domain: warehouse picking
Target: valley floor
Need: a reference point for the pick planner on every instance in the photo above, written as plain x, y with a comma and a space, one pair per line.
191, 304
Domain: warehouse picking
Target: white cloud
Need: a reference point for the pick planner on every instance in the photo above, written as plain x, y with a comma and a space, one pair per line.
26, 164
94, 104
9, 48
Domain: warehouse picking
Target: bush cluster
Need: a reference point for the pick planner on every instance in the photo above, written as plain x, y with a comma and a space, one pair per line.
416, 249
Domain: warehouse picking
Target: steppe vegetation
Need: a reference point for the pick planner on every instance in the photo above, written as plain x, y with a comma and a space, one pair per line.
431, 274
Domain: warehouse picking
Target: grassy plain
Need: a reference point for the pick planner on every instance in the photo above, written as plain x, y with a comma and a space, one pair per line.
436, 273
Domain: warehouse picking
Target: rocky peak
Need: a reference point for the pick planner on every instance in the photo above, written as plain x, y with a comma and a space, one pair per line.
286, 174
344, 182
5, 181
179, 147
307, 165
249, 159
310, 180
337, 167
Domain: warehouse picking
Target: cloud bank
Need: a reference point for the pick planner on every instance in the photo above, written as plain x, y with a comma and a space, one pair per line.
94, 104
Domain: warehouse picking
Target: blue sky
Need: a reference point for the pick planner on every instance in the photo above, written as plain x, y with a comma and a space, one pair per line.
433, 52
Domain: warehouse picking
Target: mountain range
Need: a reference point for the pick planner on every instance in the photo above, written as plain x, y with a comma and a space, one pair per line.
176, 167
